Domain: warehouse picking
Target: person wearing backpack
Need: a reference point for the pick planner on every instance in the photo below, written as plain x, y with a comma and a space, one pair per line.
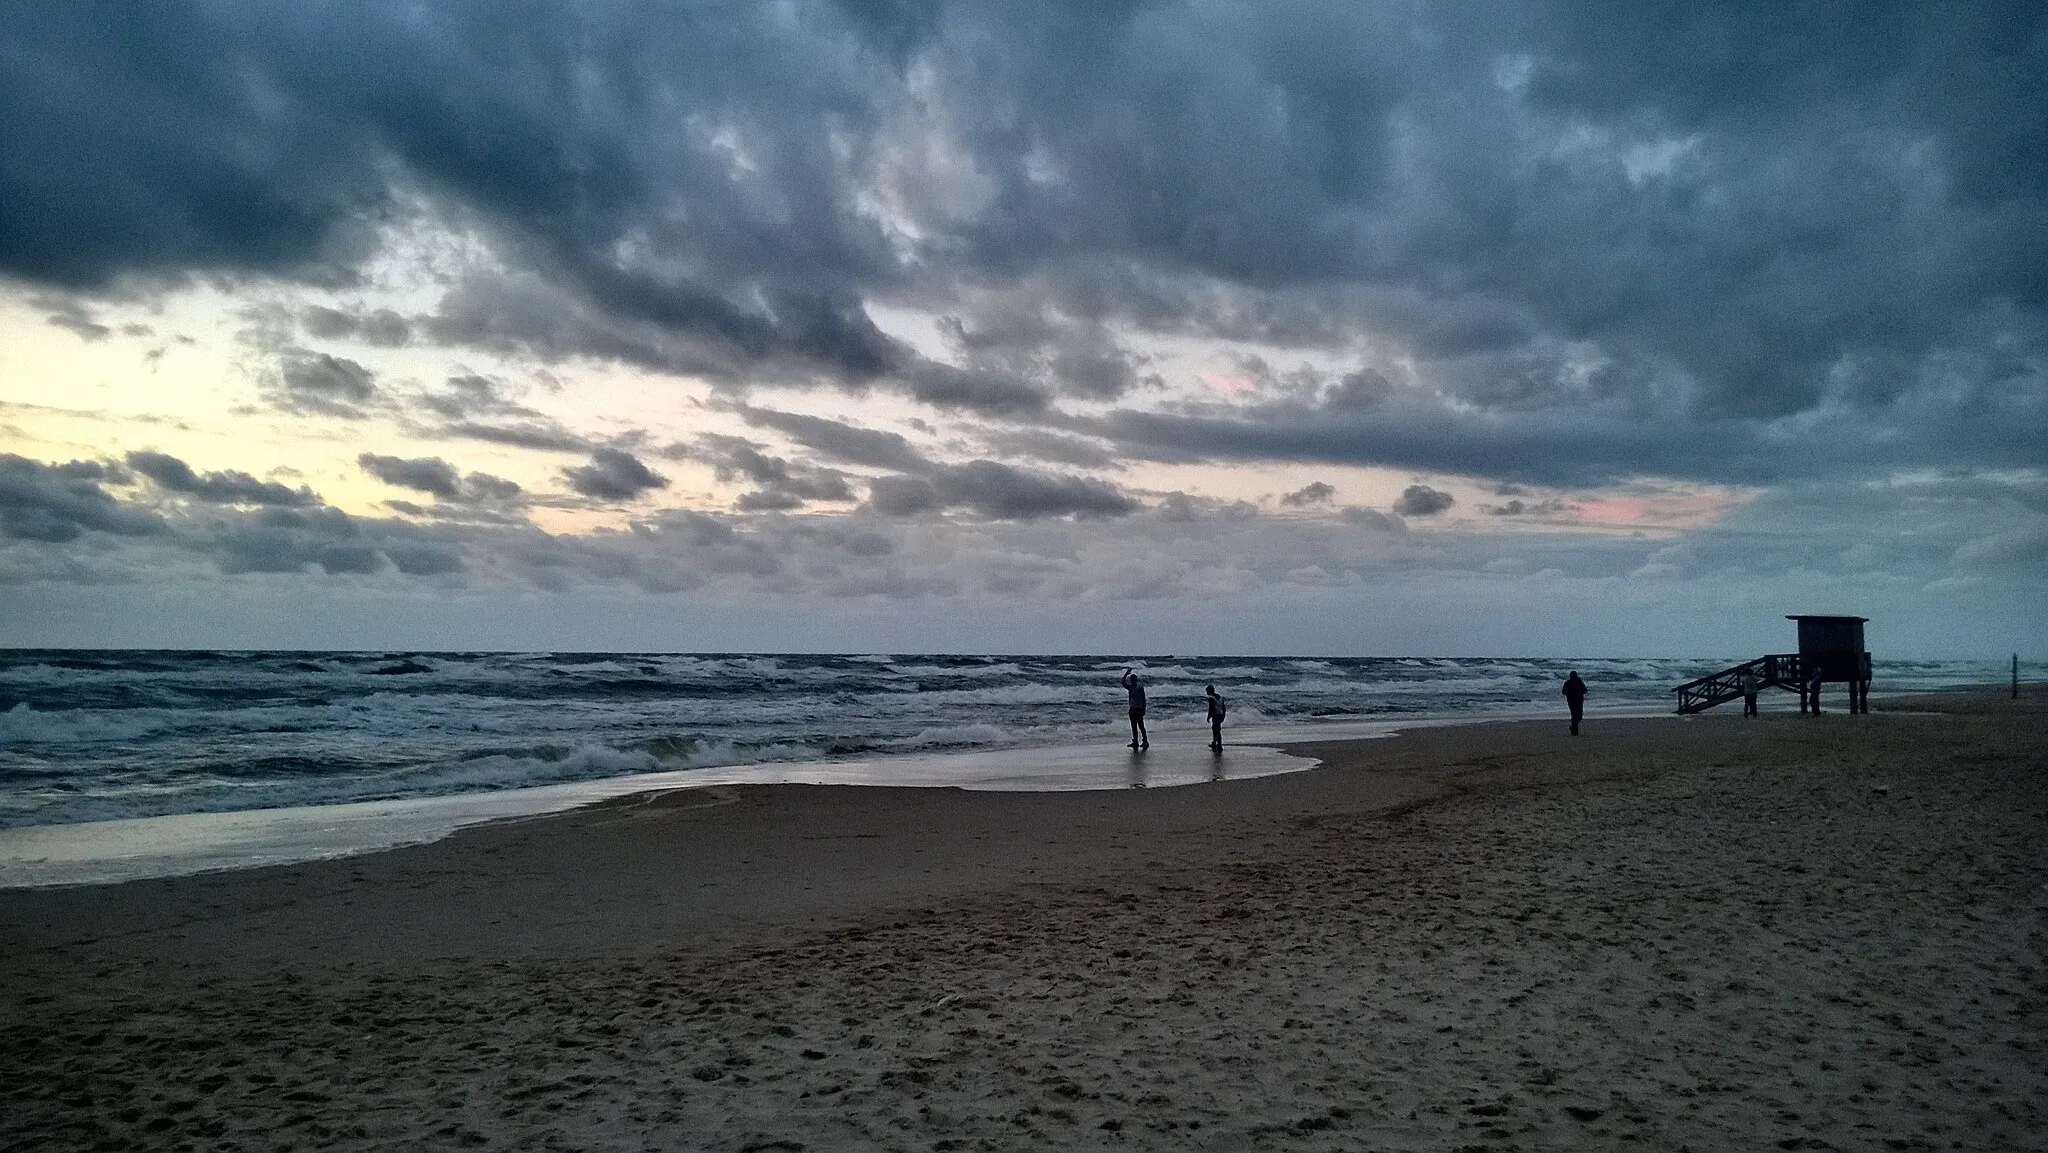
1215, 718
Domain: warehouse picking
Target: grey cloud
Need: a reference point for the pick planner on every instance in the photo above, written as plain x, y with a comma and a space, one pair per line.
987, 393
470, 395
317, 384
2022, 547
1021, 338
56, 503
1550, 507
273, 551
474, 407
850, 539
613, 474
835, 440
998, 492
1040, 444
1315, 492
1373, 518
485, 487
72, 314
1366, 388
768, 500
1183, 508
783, 485
543, 435
433, 475
381, 327
1422, 500
282, 540
1595, 446
424, 559
1177, 507
329, 541
1700, 227
426, 474
226, 487
902, 495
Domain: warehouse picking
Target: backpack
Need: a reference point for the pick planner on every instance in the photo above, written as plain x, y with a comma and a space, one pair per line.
1216, 706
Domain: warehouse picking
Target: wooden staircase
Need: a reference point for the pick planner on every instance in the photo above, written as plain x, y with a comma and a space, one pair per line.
1778, 670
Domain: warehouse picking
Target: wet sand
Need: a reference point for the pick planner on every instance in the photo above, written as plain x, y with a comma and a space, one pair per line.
1703, 933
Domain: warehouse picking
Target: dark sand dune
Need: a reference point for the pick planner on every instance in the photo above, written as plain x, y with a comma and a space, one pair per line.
1704, 933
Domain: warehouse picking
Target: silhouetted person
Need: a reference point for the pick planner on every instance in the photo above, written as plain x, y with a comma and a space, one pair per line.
1136, 688
1750, 684
1215, 717
1575, 698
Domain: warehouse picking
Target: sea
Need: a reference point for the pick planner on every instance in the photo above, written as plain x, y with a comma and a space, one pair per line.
118, 739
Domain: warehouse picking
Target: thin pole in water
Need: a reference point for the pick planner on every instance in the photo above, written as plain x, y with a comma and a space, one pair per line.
2015, 676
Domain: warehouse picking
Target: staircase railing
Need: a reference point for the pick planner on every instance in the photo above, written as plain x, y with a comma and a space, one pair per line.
1780, 670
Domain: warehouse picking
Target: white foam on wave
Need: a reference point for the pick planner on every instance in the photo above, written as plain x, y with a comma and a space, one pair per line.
24, 724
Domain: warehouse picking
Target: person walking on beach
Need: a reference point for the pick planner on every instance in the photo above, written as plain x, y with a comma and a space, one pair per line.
1215, 717
1750, 684
1575, 698
1136, 687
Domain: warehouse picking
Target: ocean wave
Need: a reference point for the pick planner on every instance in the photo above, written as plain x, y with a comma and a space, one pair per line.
24, 725
97, 734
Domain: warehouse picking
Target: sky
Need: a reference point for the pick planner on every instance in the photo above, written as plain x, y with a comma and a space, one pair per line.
1532, 327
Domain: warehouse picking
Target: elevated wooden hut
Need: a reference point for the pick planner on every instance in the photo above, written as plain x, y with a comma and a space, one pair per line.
1830, 650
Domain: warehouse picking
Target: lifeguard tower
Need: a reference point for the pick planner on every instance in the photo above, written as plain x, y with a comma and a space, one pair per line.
1830, 649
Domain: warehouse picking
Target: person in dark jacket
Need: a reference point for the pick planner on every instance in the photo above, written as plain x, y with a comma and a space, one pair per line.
1136, 687
1575, 699
1215, 717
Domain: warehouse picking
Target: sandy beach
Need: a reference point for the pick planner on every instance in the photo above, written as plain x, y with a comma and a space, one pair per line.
1673, 933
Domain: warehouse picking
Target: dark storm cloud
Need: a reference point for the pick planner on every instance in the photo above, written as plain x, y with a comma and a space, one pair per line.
997, 492
55, 503
1690, 221
613, 474
226, 487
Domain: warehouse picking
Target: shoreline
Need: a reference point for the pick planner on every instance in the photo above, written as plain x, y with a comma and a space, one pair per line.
1703, 931
122, 850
